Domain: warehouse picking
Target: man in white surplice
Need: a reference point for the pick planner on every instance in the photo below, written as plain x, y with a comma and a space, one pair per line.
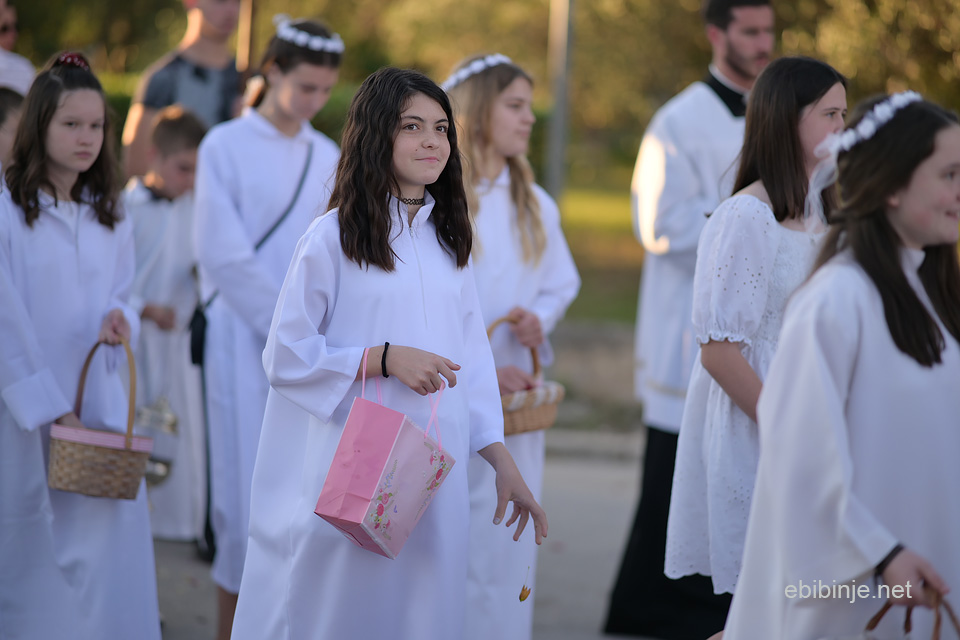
685, 167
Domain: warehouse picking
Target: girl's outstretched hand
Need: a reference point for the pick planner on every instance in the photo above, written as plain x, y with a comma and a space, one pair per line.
526, 327
114, 327
418, 369
512, 488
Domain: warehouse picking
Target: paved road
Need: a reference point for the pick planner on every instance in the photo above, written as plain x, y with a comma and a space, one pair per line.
590, 491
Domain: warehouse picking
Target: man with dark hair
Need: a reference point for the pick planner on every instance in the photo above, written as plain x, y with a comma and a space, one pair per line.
685, 167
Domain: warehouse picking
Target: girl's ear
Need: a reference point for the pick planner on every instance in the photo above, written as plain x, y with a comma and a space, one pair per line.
274, 75
893, 200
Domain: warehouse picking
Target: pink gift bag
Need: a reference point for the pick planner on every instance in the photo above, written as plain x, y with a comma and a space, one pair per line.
384, 474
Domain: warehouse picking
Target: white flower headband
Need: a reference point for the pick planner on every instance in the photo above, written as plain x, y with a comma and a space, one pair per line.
472, 69
825, 172
287, 31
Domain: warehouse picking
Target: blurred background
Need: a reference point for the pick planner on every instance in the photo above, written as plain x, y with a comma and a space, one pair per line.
626, 57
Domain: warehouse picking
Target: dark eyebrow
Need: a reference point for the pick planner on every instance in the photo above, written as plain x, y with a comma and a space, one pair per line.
419, 119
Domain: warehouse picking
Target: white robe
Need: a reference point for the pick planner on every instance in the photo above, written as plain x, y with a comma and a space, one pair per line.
72, 566
303, 579
163, 237
247, 173
858, 451
498, 565
685, 167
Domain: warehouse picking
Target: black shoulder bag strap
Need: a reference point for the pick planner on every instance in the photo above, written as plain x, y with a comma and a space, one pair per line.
198, 323
283, 216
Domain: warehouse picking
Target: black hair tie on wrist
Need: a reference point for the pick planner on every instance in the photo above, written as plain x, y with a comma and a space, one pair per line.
888, 559
383, 360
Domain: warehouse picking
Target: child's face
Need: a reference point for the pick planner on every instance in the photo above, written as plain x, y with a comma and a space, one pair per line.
927, 211
421, 148
8, 131
303, 90
75, 134
176, 172
823, 117
511, 119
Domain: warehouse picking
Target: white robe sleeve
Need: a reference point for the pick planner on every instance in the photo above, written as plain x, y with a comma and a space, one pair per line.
734, 267
560, 280
224, 249
479, 371
149, 235
669, 202
824, 531
299, 363
27, 386
123, 279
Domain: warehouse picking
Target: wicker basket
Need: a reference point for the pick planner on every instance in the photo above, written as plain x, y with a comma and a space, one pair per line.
530, 410
103, 464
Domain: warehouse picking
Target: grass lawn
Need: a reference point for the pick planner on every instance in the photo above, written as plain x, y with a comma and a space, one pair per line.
599, 230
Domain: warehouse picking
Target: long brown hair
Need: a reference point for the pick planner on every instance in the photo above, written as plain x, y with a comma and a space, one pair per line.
473, 100
772, 152
287, 55
99, 185
869, 173
366, 179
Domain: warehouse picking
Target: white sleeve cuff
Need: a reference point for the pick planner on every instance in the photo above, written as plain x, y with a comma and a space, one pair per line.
36, 400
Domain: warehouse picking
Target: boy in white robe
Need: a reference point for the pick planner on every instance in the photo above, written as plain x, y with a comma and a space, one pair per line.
165, 293
685, 168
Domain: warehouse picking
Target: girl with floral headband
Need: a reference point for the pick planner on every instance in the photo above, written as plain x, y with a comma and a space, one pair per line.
524, 271
386, 271
72, 566
859, 414
261, 179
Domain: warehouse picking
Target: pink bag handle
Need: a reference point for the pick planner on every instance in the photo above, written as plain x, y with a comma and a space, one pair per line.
363, 379
434, 405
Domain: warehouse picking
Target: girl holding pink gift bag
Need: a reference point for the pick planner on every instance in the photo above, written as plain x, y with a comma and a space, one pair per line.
71, 566
390, 264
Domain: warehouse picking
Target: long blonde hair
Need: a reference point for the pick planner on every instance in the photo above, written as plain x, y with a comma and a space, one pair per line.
473, 100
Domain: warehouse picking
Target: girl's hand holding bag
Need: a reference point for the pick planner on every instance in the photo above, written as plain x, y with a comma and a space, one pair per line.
384, 474
937, 602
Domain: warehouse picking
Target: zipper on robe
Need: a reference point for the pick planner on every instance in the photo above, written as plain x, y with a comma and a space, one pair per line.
423, 291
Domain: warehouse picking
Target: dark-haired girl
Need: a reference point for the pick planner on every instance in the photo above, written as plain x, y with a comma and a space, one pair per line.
250, 172
860, 413
72, 566
755, 249
390, 264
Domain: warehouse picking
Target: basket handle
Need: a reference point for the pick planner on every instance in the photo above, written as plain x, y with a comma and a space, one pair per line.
533, 352
133, 385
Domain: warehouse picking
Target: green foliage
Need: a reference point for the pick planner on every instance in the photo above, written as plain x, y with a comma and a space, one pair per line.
629, 56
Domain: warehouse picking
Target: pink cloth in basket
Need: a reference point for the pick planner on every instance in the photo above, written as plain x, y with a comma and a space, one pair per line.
384, 474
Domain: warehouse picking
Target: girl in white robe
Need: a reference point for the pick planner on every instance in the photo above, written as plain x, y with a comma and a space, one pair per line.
72, 566
523, 269
249, 172
754, 251
389, 264
859, 415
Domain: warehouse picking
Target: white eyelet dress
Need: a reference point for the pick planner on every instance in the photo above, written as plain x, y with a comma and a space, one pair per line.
748, 265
